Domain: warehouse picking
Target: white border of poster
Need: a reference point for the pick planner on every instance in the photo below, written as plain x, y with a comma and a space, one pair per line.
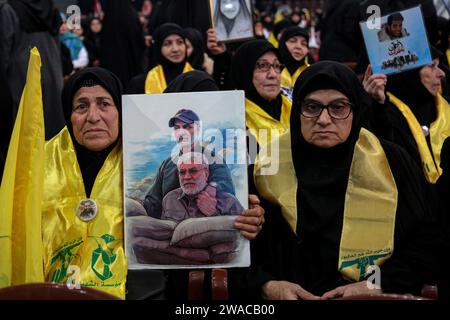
232, 19
164, 240
407, 50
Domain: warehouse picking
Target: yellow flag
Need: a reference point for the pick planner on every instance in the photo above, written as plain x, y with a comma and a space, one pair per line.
21, 253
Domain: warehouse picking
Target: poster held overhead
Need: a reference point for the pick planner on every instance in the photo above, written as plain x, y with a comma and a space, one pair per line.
232, 19
398, 42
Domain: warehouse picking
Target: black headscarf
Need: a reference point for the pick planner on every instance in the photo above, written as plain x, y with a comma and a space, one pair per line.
286, 57
192, 81
280, 26
408, 87
197, 56
122, 40
91, 161
323, 172
37, 15
171, 70
242, 67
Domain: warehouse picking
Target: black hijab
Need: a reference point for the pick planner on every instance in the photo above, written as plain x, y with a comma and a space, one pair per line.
197, 56
286, 57
280, 26
37, 15
91, 161
192, 81
122, 40
171, 70
408, 87
323, 172
242, 67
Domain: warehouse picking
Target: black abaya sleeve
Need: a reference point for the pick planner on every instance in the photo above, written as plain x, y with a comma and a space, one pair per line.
418, 237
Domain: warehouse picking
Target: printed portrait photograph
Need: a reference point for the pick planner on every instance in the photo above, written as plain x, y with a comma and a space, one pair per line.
185, 180
397, 42
232, 19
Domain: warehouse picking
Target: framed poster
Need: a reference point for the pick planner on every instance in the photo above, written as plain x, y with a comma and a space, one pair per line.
232, 19
185, 180
398, 43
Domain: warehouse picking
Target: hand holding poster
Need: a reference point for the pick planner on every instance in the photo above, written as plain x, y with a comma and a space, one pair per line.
185, 180
399, 43
232, 19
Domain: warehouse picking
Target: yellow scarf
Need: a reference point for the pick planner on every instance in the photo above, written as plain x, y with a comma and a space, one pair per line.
96, 247
273, 40
287, 81
257, 118
367, 236
156, 82
447, 53
439, 131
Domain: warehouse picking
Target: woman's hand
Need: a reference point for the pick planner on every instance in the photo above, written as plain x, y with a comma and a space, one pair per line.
250, 221
375, 85
353, 289
213, 45
284, 290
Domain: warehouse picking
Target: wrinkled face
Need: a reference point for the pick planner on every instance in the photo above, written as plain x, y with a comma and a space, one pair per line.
186, 133
431, 77
189, 47
95, 118
193, 178
267, 83
230, 8
174, 48
395, 29
298, 47
324, 131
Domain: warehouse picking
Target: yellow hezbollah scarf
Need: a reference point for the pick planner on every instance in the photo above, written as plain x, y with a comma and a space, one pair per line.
95, 247
367, 236
156, 82
287, 81
439, 131
257, 119
273, 40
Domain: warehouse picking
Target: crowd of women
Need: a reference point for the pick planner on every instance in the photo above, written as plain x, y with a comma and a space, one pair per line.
364, 166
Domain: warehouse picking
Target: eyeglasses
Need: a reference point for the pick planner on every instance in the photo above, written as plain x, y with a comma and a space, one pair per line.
265, 66
339, 110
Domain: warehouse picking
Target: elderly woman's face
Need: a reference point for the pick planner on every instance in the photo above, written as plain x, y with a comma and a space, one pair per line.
266, 76
431, 77
95, 118
324, 131
174, 48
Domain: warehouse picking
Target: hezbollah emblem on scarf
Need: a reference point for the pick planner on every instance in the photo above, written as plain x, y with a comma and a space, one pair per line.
103, 257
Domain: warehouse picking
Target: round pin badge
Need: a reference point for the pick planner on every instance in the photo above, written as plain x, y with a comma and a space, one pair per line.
87, 210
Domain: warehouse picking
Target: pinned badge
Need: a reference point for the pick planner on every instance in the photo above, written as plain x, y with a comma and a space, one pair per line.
87, 210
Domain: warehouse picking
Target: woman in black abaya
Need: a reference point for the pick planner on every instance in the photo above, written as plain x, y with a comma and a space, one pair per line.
122, 40
342, 201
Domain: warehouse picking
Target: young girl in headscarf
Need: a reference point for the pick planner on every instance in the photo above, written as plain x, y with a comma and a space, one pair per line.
294, 52
171, 56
